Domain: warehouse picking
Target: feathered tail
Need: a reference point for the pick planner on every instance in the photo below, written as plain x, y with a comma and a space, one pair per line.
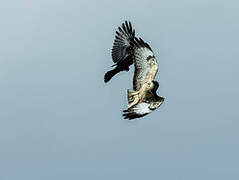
110, 74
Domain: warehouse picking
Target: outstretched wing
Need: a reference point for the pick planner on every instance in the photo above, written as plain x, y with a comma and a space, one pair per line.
137, 111
142, 56
121, 47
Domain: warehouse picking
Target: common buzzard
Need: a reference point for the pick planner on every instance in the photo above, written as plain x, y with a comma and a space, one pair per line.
143, 99
128, 50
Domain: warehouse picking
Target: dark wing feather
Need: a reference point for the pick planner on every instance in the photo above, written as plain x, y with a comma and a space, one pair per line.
121, 47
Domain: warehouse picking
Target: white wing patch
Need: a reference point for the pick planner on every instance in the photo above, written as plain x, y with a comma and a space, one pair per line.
142, 108
138, 110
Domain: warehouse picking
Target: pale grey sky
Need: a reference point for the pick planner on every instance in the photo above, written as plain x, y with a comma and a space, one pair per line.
58, 120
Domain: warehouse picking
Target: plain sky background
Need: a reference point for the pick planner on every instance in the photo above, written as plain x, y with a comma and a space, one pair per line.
58, 120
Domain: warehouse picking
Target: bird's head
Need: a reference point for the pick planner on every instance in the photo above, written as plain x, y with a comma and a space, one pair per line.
155, 104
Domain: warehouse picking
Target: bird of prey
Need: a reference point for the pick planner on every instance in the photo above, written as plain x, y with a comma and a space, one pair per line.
128, 50
143, 99
121, 51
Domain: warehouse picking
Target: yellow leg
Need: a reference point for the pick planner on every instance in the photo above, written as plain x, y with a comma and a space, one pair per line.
135, 93
135, 101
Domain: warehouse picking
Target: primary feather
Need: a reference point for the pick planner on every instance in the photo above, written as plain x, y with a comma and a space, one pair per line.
121, 47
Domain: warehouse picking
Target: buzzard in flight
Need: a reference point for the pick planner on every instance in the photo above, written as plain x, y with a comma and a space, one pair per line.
128, 50
143, 99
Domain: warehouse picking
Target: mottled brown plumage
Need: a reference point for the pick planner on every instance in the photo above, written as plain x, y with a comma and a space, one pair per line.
145, 71
143, 99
